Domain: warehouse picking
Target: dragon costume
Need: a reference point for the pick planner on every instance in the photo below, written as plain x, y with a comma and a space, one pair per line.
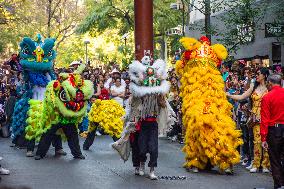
65, 102
108, 115
211, 135
36, 60
64, 106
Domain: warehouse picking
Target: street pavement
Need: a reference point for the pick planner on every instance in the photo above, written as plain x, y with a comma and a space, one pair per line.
102, 169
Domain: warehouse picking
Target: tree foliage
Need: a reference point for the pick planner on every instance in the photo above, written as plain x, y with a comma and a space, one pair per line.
119, 15
241, 21
51, 18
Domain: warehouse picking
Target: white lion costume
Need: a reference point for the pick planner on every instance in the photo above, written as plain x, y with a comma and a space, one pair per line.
148, 85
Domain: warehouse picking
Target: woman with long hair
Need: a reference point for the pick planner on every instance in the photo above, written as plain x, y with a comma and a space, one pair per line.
256, 91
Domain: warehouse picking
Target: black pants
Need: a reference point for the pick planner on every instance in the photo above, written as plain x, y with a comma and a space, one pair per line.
20, 140
148, 142
275, 140
71, 133
175, 130
136, 158
56, 142
91, 137
247, 136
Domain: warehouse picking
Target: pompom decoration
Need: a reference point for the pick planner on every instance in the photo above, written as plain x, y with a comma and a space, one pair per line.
204, 39
34, 118
187, 55
56, 85
220, 51
55, 111
190, 43
211, 134
108, 113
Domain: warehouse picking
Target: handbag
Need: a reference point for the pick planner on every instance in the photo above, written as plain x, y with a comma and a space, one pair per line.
252, 121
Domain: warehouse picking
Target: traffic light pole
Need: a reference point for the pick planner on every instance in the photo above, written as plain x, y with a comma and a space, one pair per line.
143, 28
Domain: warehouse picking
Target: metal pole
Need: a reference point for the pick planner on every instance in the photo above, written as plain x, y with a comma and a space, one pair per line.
166, 48
86, 53
143, 10
207, 19
183, 18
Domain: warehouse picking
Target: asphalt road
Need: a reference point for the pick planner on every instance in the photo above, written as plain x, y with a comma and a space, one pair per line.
103, 169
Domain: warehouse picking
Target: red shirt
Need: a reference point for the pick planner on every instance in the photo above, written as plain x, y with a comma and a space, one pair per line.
272, 110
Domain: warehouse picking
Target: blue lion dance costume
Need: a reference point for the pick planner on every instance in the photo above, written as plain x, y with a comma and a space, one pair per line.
36, 60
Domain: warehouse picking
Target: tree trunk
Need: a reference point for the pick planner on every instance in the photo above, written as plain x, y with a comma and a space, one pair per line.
49, 18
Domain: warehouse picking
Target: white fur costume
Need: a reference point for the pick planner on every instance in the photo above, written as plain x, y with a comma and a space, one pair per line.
148, 83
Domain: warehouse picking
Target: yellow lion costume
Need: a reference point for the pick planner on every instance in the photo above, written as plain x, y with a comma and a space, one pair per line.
211, 135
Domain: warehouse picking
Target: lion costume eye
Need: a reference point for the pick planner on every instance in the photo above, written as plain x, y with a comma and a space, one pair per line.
62, 96
25, 50
50, 53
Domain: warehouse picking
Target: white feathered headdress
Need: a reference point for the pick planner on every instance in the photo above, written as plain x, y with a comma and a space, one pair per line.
148, 79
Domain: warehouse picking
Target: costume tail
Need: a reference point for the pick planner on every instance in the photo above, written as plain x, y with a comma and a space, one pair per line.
20, 116
108, 113
34, 118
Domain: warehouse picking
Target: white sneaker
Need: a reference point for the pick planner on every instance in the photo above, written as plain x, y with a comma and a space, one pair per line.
244, 161
4, 171
253, 170
174, 138
229, 171
195, 169
152, 176
250, 166
265, 170
98, 133
1, 158
30, 154
142, 169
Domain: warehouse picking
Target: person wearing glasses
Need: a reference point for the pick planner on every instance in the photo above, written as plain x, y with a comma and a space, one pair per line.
256, 91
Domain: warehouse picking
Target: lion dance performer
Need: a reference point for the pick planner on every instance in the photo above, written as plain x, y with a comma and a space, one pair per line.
211, 136
106, 114
36, 60
64, 106
148, 89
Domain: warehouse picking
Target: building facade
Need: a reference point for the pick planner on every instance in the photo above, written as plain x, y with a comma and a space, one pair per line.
262, 44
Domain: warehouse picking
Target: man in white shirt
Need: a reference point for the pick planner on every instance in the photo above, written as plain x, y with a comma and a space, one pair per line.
114, 74
118, 91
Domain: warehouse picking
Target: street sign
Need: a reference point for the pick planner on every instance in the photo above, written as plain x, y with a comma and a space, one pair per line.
245, 33
174, 31
274, 30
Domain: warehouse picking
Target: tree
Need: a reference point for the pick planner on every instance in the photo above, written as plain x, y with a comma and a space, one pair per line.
54, 18
207, 8
108, 14
278, 9
241, 21
119, 15
51, 18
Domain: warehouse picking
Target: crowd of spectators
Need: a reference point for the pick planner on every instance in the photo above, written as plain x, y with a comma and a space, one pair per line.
112, 83
239, 77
